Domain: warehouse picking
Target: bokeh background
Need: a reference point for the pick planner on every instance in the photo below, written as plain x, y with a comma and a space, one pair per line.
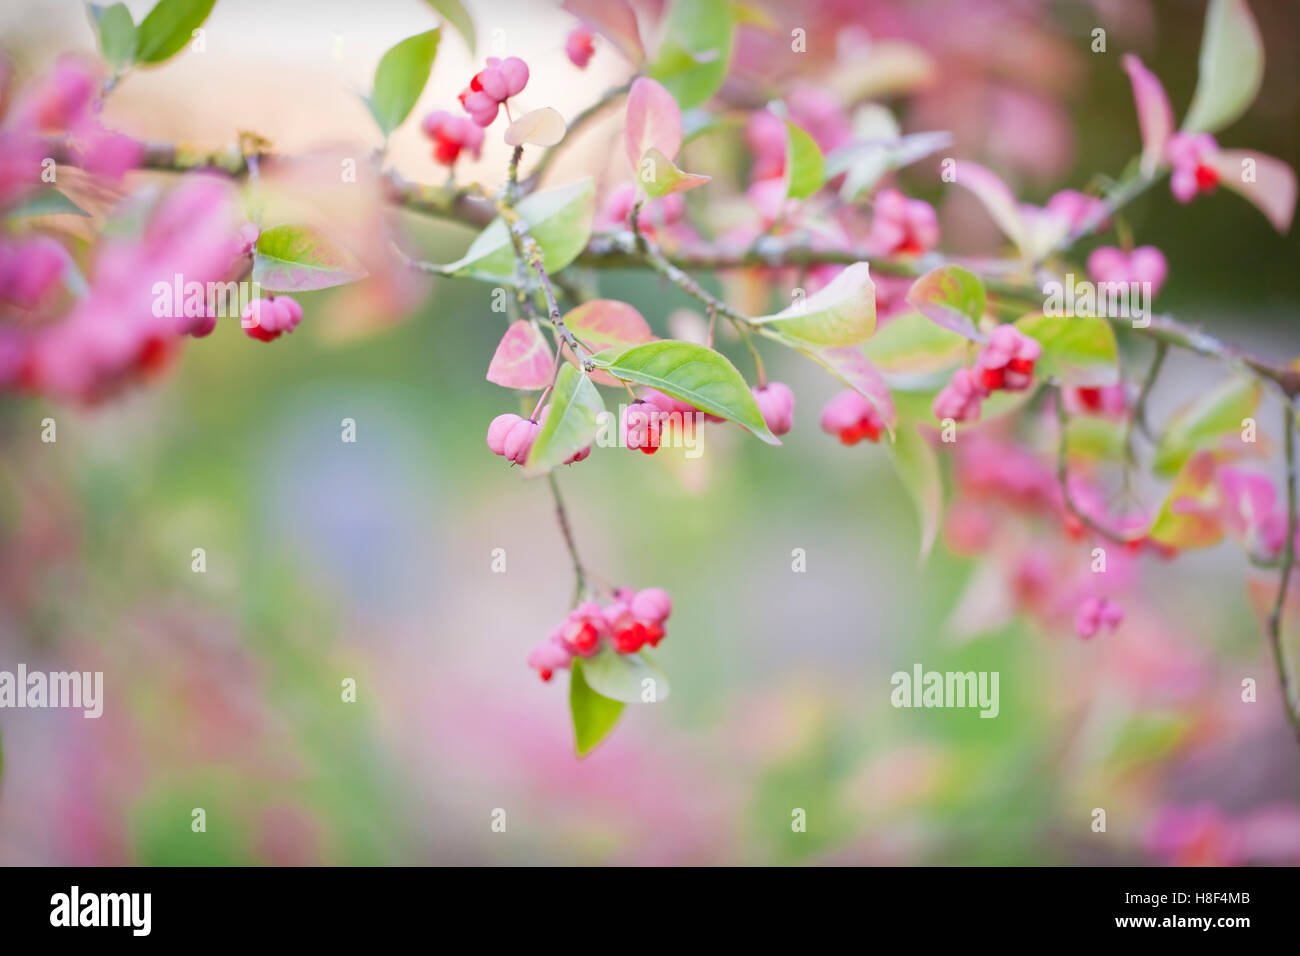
372, 560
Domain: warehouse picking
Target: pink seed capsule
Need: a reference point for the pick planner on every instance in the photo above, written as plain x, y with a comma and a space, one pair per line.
498, 430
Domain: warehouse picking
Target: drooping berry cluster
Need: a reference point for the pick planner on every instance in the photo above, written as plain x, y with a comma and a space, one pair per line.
511, 436
452, 135
631, 621
492, 86
1006, 363
1096, 613
851, 418
579, 47
1190, 155
265, 319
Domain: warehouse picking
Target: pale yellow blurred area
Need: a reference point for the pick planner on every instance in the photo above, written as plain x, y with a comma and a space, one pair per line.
294, 72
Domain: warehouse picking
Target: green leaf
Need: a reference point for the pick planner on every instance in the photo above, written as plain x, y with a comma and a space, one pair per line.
918, 469
664, 176
116, 32
46, 202
1231, 67
400, 79
168, 27
1078, 351
841, 313
805, 169
570, 425
1202, 424
914, 353
292, 258
454, 12
560, 221
695, 54
697, 375
952, 297
621, 676
593, 716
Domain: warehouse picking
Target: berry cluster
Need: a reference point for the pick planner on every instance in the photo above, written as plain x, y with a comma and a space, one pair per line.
633, 620
452, 135
492, 86
265, 319
1189, 155
902, 226
579, 47
851, 418
1143, 264
1006, 363
512, 436
1097, 613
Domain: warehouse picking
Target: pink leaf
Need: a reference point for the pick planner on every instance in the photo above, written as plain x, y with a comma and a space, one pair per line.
614, 20
523, 358
653, 121
608, 324
1266, 182
1155, 115
997, 198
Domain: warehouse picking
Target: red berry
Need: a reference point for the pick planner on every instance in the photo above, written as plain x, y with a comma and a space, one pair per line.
1021, 365
1089, 398
585, 639
545, 673
991, 378
869, 429
1207, 177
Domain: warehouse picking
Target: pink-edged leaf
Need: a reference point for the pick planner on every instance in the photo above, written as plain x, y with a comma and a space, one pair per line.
1264, 181
654, 121
660, 176
541, 127
608, 324
614, 20
1155, 115
293, 258
523, 358
997, 198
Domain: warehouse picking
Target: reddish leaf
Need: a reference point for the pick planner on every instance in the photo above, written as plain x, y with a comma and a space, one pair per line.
523, 358
1155, 115
608, 324
654, 121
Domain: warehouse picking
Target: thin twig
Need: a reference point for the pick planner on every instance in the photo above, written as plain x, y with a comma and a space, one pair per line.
1284, 579
562, 517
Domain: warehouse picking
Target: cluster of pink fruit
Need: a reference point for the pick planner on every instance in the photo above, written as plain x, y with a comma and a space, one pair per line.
633, 620
512, 436
1007, 362
482, 99
266, 319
